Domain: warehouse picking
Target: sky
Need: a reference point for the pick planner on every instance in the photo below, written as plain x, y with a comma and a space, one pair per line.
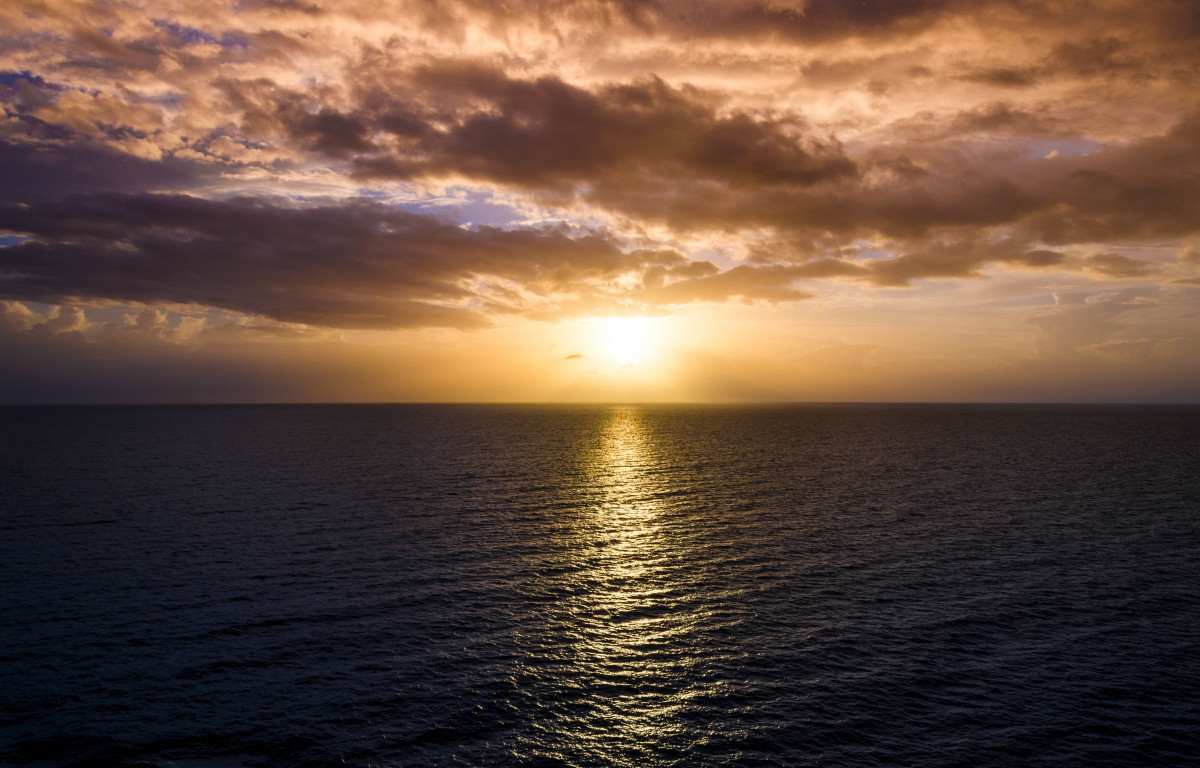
599, 200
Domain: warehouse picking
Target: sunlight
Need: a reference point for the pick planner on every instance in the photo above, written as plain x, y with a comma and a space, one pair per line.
625, 341
622, 598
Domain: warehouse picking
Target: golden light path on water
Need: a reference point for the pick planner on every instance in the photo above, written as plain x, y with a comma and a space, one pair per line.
633, 617
633, 594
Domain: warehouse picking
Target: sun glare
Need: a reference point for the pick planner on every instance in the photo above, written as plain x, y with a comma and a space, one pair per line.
624, 341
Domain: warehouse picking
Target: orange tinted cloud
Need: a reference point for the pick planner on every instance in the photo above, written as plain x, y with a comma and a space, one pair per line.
400, 165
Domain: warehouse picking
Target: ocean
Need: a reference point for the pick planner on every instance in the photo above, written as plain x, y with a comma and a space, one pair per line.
425, 585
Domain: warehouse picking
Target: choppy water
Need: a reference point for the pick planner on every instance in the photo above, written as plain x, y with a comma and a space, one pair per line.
609, 586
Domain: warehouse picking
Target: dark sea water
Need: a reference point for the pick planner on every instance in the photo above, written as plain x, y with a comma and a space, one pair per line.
600, 586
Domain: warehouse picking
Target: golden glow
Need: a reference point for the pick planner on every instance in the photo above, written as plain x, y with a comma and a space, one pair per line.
633, 605
878, 203
625, 341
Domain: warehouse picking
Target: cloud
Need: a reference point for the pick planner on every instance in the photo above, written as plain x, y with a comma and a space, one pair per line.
546, 134
353, 265
1115, 265
55, 170
743, 282
795, 21
265, 157
1004, 77
655, 151
15, 317
1081, 321
358, 264
394, 269
65, 320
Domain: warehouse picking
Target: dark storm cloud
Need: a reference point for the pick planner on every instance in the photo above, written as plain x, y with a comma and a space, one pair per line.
53, 170
548, 134
651, 151
1146, 189
355, 265
654, 152
364, 266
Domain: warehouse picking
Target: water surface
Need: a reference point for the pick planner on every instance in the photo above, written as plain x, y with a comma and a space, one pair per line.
599, 586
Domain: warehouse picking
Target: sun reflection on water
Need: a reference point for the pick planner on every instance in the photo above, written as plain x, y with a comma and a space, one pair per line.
630, 617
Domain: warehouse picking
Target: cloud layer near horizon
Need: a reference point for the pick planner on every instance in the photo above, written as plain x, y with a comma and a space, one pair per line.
409, 165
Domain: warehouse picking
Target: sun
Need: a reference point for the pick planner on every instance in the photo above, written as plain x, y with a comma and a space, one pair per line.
624, 341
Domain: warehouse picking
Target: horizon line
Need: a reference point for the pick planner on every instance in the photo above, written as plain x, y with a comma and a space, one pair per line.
606, 403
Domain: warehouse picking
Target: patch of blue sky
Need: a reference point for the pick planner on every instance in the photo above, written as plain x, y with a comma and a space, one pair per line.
280, 195
169, 99
872, 254
191, 35
8, 241
234, 41
469, 207
374, 194
480, 213
9, 77
869, 253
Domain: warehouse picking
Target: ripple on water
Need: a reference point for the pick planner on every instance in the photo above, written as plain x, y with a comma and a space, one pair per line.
600, 586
